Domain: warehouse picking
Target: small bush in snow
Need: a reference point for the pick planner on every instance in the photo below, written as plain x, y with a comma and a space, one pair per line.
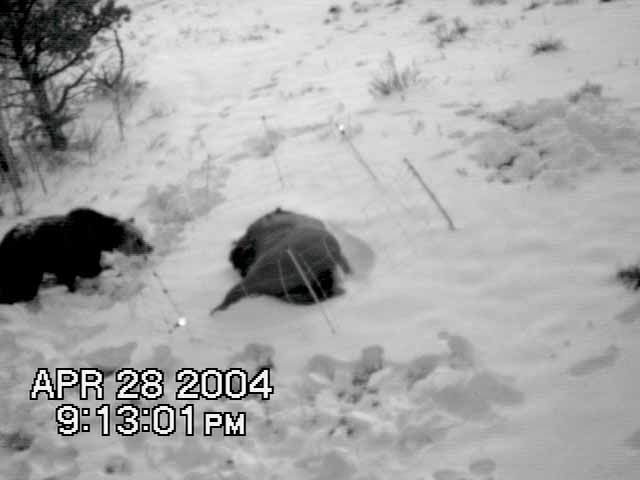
334, 14
587, 90
392, 80
158, 110
534, 4
118, 85
109, 85
116, 79
88, 139
357, 7
449, 34
630, 276
430, 17
502, 75
488, 2
547, 45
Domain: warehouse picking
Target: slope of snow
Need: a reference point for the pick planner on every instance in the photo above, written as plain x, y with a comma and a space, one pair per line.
502, 349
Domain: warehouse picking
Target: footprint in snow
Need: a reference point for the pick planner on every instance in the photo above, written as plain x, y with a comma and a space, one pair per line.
482, 466
630, 314
598, 362
633, 442
448, 474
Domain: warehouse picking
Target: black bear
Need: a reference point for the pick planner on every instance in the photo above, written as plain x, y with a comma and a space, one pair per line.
286, 255
265, 232
68, 246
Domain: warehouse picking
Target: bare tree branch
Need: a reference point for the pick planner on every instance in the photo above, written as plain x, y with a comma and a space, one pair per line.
44, 39
65, 92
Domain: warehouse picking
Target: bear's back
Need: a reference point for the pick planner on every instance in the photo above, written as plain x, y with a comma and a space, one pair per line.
25, 235
271, 229
312, 247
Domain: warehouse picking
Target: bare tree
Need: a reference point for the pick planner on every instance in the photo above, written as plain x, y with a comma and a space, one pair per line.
116, 84
8, 165
44, 39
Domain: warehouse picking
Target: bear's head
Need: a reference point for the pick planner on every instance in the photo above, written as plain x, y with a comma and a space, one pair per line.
131, 241
93, 230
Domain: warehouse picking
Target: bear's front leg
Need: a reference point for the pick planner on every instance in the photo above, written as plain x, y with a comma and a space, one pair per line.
88, 265
71, 284
68, 279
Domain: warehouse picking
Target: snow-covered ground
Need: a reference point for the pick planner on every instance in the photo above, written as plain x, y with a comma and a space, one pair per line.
503, 349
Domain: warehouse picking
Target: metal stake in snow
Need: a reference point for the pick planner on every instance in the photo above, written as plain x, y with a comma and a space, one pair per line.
207, 165
273, 149
313, 294
357, 154
416, 174
182, 321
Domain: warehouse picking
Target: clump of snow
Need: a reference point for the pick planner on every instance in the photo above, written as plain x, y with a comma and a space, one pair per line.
559, 139
312, 428
118, 465
633, 442
264, 145
359, 253
588, 89
370, 362
630, 276
17, 441
597, 362
482, 466
254, 357
108, 359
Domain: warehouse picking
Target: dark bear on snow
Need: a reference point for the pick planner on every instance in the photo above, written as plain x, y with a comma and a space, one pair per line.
266, 232
68, 246
273, 252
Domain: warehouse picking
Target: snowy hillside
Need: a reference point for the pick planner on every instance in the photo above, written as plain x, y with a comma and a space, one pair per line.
503, 349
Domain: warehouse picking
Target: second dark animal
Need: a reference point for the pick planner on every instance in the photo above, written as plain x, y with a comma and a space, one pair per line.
68, 246
282, 254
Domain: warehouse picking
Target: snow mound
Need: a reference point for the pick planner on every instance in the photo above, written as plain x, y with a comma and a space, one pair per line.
557, 140
339, 419
108, 359
253, 358
359, 253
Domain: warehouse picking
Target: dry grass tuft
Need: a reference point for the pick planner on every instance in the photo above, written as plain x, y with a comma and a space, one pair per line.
450, 33
547, 45
587, 90
393, 80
